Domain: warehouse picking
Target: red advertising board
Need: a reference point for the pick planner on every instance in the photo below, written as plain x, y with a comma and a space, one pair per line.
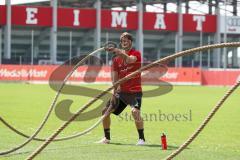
25, 72
173, 75
119, 20
194, 23
94, 74
220, 77
78, 18
110, 19
32, 16
2, 15
160, 21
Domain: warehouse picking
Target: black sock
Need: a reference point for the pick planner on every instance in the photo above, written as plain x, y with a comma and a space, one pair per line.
141, 134
107, 133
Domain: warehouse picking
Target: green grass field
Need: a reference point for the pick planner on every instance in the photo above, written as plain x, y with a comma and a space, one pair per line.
24, 106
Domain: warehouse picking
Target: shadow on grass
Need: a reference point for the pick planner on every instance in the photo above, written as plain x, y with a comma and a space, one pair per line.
170, 147
30, 151
17, 153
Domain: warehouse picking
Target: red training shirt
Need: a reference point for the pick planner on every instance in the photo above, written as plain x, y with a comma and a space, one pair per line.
119, 65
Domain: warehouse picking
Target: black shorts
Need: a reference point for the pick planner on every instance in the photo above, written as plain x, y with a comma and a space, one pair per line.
124, 99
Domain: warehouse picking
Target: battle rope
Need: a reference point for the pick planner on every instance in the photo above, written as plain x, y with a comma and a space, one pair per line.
57, 139
166, 59
108, 44
204, 123
63, 138
51, 106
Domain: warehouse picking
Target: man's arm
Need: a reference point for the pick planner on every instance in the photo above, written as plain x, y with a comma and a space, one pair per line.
127, 58
116, 88
122, 54
115, 79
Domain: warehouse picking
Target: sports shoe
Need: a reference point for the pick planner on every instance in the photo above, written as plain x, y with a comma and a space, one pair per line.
104, 140
140, 142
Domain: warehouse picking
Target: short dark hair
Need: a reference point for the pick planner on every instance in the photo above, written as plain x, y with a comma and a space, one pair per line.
126, 34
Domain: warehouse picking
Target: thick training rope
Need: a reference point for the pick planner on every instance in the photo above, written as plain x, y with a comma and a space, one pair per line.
109, 44
57, 139
51, 106
164, 60
204, 123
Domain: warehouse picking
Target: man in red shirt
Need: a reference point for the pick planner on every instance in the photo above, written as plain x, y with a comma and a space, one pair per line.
126, 61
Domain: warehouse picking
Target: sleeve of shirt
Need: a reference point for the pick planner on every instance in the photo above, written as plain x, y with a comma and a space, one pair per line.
114, 65
138, 56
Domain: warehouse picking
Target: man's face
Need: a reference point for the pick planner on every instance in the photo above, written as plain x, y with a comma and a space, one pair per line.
126, 43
